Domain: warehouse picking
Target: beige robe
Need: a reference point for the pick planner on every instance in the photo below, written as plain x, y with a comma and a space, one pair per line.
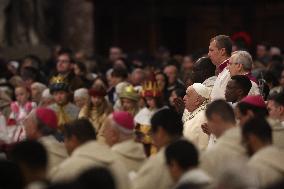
218, 90
154, 174
131, 153
192, 128
227, 149
277, 132
88, 155
268, 163
56, 151
96, 120
195, 176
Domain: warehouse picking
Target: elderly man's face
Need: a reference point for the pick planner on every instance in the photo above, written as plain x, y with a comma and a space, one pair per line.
191, 99
109, 132
235, 68
36, 92
30, 127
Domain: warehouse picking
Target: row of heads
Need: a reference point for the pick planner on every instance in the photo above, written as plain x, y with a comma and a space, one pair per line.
150, 88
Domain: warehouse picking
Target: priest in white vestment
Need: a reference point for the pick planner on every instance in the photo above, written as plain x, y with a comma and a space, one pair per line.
196, 100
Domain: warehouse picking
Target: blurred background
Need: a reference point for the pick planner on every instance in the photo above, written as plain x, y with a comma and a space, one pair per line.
183, 26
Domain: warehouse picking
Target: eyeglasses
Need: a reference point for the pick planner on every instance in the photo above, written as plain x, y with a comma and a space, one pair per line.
231, 63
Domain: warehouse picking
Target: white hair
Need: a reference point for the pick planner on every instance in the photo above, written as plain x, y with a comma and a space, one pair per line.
82, 92
244, 58
46, 94
39, 85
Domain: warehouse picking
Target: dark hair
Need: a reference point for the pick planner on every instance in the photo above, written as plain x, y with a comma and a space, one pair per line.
265, 44
223, 41
243, 82
270, 77
82, 129
10, 175
192, 185
36, 62
258, 111
82, 67
30, 73
165, 78
203, 69
169, 120
180, 92
184, 153
99, 177
221, 108
278, 98
259, 127
30, 153
68, 52
119, 72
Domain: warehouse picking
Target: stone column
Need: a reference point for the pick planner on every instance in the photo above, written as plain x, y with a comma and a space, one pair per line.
78, 25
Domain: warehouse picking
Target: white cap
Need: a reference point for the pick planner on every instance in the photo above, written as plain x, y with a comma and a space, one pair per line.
46, 94
82, 92
39, 85
201, 90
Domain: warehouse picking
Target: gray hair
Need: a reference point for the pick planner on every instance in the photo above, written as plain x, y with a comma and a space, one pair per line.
82, 92
39, 85
244, 58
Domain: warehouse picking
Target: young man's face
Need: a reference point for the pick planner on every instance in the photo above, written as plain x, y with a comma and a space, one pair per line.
60, 97
127, 104
174, 170
275, 111
63, 64
231, 92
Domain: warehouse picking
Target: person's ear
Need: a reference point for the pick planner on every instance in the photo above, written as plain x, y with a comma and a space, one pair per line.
239, 67
223, 51
281, 110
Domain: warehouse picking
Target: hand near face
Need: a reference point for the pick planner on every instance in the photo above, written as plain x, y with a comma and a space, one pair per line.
179, 105
205, 128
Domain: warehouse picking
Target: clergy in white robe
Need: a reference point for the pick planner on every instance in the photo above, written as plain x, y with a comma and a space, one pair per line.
267, 160
196, 99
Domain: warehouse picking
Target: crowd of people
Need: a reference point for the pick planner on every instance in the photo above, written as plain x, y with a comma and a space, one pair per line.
204, 120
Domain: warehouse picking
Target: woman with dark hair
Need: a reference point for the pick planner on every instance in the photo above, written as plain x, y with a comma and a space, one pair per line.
80, 71
163, 83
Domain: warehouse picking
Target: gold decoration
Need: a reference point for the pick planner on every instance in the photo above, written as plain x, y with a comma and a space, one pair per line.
151, 88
